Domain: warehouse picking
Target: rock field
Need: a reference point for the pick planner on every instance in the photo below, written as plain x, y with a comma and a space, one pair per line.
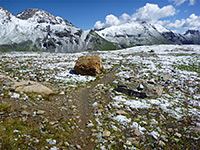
45, 105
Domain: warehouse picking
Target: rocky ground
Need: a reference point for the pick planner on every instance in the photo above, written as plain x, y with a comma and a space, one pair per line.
88, 112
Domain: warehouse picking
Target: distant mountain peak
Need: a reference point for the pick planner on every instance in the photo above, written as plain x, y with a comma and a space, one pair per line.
192, 32
29, 13
5, 16
41, 16
6, 11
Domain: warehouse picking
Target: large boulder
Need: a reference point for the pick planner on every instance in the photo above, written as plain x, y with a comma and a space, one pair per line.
88, 65
140, 88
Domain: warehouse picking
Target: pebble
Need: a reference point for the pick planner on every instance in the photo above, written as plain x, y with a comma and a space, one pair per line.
99, 105
164, 138
136, 143
162, 117
128, 142
66, 143
178, 135
137, 133
161, 143
106, 133
121, 112
53, 122
175, 139
40, 112
73, 107
24, 106
92, 140
170, 129
25, 113
78, 146
1, 113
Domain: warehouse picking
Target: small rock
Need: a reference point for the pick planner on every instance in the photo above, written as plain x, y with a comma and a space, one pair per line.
152, 51
73, 107
178, 135
196, 129
24, 106
66, 143
24, 119
165, 77
25, 113
78, 146
128, 142
99, 105
121, 112
92, 140
136, 143
170, 130
164, 138
1, 113
176, 140
115, 128
137, 133
161, 143
53, 122
106, 133
93, 130
162, 117
40, 112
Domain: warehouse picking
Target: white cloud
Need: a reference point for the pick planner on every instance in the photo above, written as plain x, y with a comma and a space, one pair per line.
98, 25
124, 18
110, 20
179, 2
192, 22
150, 13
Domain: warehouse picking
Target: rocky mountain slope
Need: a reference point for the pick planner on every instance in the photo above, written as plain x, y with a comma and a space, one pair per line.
193, 36
133, 33
36, 29
143, 33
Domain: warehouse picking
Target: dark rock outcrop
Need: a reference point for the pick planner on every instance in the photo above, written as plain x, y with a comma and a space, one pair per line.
140, 88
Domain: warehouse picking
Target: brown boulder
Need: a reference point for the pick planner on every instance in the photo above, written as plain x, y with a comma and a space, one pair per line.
88, 65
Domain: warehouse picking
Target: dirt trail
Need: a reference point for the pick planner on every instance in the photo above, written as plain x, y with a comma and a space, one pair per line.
85, 96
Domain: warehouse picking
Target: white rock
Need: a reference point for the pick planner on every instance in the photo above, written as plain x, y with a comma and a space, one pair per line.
106, 133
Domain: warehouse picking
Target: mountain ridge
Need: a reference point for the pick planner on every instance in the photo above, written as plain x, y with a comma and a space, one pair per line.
37, 30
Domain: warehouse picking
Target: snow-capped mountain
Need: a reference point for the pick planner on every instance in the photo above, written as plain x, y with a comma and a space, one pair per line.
193, 36
142, 33
36, 29
41, 16
133, 33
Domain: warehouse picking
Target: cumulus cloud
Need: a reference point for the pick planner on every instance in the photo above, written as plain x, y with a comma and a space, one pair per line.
150, 13
192, 22
124, 18
179, 2
110, 20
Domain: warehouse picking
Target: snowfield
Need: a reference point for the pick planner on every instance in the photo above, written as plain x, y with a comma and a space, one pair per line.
167, 120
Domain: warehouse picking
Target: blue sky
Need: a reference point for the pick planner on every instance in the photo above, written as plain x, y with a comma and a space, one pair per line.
178, 15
